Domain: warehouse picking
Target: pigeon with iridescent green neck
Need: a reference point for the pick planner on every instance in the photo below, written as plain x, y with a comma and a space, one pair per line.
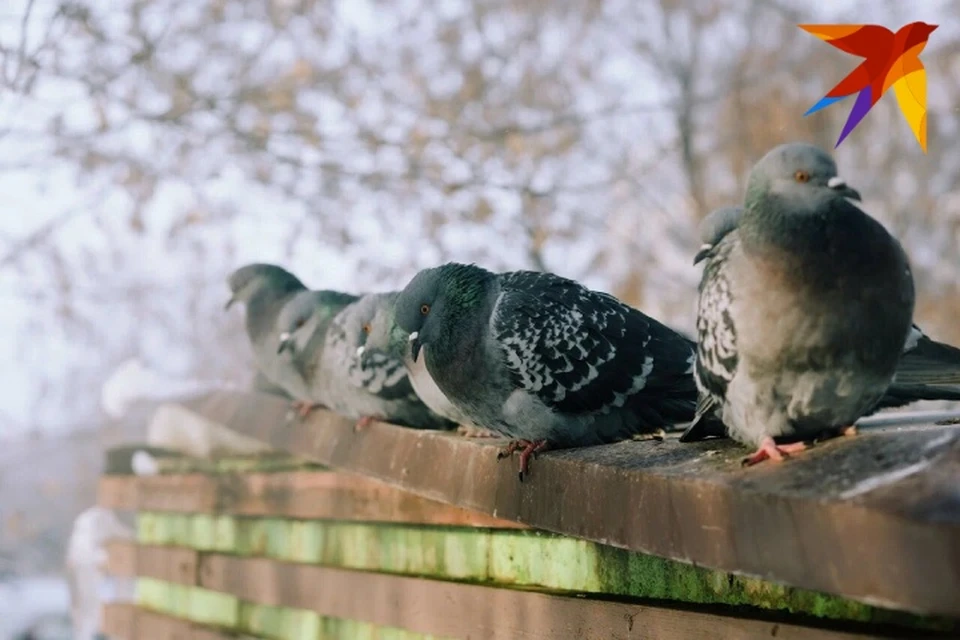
543, 360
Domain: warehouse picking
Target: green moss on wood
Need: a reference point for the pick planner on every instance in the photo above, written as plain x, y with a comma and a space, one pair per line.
190, 603
277, 623
272, 462
527, 559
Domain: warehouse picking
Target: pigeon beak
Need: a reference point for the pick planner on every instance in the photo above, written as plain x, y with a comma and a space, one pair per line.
229, 303
285, 342
415, 345
839, 185
702, 253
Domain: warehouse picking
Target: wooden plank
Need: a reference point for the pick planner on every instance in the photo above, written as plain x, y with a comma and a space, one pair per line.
298, 494
277, 623
521, 559
129, 622
811, 523
119, 620
127, 559
471, 610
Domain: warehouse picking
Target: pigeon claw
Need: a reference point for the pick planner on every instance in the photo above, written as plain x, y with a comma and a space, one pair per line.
770, 450
849, 431
363, 423
659, 435
303, 407
527, 449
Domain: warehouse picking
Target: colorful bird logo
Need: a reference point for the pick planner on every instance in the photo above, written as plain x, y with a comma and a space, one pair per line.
892, 59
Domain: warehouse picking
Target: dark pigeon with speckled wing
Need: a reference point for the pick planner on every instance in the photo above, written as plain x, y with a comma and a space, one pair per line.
542, 359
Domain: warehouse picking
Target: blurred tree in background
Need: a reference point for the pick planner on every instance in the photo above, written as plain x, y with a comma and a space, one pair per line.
163, 143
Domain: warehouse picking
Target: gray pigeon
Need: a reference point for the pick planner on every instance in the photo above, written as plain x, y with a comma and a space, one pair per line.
804, 308
387, 340
313, 312
263, 385
329, 349
264, 289
714, 227
543, 360
267, 290
924, 368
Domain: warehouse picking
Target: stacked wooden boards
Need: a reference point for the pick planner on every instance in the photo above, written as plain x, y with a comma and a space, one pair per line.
275, 547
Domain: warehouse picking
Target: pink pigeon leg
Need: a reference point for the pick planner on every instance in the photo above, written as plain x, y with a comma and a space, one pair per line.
770, 450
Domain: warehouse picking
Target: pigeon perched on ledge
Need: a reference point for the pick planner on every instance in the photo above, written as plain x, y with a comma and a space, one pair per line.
925, 365
328, 350
804, 308
266, 290
544, 360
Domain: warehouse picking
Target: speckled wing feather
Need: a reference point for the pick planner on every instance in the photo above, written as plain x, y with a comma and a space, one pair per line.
382, 375
716, 344
581, 351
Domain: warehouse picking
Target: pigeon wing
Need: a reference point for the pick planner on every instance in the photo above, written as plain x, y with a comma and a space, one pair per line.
581, 351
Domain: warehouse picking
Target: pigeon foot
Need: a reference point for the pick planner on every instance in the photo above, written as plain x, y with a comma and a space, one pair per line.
470, 431
527, 449
659, 435
837, 432
363, 423
303, 407
770, 450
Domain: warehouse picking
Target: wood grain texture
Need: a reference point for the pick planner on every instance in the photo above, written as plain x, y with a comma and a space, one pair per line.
837, 519
129, 622
127, 559
297, 494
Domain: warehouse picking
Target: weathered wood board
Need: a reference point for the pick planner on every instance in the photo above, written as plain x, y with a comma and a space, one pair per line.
294, 494
874, 518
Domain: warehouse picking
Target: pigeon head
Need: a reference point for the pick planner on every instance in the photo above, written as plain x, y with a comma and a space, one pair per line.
801, 176
369, 311
714, 227
384, 335
438, 299
251, 279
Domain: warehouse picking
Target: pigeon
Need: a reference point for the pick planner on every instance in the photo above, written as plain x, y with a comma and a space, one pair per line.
329, 350
543, 360
387, 340
267, 290
925, 365
261, 384
804, 308
714, 227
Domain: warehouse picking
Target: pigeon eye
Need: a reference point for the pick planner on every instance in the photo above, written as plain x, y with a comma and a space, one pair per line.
424, 309
801, 176
298, 323
366, 328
